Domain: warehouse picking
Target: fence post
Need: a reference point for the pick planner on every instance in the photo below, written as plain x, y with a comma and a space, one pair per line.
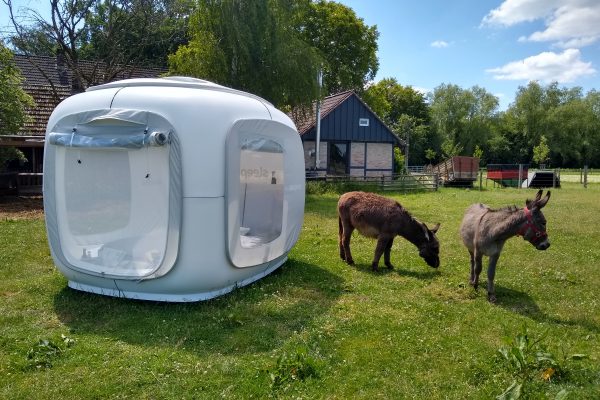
585, 174
480, 179
520, 176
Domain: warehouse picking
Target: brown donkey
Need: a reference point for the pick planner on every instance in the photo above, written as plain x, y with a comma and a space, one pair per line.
381, 218
484, 231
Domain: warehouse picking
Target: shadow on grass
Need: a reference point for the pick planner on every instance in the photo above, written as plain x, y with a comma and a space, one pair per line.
256, 318
522, 303
424, 274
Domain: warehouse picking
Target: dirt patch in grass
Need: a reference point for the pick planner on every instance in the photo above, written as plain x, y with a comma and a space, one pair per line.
13, 207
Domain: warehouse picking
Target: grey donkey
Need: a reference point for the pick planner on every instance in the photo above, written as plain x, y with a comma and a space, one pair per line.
484, 232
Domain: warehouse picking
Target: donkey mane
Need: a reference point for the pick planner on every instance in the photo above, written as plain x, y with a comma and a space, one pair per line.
505, 209
503, 218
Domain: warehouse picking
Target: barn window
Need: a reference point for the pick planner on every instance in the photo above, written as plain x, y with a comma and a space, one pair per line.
363, 122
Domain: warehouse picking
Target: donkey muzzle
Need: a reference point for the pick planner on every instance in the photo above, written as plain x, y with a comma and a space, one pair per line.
543, 245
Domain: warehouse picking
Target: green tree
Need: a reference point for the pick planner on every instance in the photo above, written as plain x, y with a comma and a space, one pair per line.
346, 44
430, 155
113, 36
451, 148
388, 99
142, 32
574, 134
399, 161
252, 46
13, 103
545, 110
405, 111
541, 151
462, 118
478, 152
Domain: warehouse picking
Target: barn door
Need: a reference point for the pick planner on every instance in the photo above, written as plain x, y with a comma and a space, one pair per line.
338, 158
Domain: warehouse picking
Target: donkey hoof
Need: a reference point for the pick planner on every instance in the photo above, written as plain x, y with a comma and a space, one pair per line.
350, 262
389, 265
375, 267
492, 298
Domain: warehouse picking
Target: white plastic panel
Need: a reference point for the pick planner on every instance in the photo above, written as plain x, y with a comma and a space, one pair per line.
114, 210
261, 191
203, 119
114, 216
265, 191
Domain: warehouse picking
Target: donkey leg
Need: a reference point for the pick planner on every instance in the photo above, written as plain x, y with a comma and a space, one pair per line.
472, 277
491, 273
340, 241
386, 254
347, 234
382, 243
478, 260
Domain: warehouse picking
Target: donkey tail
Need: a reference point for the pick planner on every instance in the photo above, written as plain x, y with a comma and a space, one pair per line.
341, 228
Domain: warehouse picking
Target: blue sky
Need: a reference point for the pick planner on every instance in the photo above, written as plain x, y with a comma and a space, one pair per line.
496, 44
499, 45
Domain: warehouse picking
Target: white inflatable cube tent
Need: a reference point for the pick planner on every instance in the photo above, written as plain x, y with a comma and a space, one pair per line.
172, 189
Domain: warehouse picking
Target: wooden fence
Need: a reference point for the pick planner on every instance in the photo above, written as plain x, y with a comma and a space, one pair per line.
397, 182
21, 184
29, 183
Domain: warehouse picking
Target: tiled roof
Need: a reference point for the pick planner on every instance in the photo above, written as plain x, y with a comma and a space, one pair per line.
45, 102
305, 120
37, 71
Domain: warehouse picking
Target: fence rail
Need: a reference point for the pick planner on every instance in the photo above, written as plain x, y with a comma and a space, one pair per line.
29, 183
21, 184
396, 182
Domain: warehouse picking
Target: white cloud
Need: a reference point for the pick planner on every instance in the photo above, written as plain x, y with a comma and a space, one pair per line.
422, 90
546, 67
568, 23
440, 44
512, 12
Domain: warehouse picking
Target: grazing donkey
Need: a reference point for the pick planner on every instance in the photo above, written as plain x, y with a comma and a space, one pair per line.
484, 231
381, 218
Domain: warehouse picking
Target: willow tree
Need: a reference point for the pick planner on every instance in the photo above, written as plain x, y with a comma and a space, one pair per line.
252, 46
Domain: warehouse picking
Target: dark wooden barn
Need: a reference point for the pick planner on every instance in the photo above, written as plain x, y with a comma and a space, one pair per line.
354, 141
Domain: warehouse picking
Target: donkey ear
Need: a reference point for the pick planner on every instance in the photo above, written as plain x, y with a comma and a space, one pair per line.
425, 230
435, 228
532, 203
541, 203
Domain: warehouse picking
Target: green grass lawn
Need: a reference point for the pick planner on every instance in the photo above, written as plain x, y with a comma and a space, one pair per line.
317, 328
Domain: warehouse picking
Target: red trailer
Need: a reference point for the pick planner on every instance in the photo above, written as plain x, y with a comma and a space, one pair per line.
457, 170
510, 175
